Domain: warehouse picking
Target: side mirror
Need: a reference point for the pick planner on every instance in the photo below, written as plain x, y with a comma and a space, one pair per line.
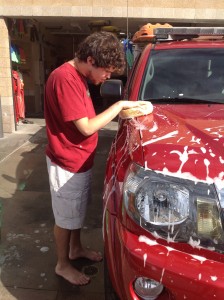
112, 88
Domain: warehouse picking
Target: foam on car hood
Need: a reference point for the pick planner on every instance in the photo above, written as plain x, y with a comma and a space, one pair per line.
184, 141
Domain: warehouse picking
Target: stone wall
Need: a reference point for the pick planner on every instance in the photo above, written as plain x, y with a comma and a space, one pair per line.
174, 9
6, 81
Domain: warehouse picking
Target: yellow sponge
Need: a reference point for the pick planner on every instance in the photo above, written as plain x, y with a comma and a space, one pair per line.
145, 108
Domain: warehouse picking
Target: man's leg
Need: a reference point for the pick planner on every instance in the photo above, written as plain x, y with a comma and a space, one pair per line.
64, 267
77, 251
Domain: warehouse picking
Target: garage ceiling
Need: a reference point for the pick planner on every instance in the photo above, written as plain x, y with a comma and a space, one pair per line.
80, 26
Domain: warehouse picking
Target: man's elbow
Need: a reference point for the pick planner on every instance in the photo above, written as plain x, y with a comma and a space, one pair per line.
87, 131
84, 128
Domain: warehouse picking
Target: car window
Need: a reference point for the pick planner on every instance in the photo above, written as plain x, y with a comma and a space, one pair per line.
184, 73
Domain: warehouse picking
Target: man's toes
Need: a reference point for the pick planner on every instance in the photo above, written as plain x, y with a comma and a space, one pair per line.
83, 280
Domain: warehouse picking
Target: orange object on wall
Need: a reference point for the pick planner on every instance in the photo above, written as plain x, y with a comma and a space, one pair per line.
18, 96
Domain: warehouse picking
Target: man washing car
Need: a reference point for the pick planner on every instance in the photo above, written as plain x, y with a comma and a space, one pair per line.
72, 125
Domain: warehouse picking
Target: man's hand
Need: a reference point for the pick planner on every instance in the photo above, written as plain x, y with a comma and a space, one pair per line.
143, 108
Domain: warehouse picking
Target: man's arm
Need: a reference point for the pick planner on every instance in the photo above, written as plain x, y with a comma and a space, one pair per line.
89, 126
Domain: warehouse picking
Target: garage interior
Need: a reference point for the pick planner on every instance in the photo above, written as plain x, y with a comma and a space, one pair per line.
46, 43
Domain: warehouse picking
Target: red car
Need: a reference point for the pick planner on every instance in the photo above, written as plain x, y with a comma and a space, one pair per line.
164, 185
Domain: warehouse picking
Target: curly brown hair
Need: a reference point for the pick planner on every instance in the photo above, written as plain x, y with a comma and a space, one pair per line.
106, 50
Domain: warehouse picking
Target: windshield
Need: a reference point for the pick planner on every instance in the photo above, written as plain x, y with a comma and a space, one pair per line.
184, 75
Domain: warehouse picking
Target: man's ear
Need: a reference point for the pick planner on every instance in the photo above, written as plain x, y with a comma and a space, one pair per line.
90, 60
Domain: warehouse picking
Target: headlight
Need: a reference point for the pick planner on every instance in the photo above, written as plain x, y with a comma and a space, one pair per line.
162, 203
174, 208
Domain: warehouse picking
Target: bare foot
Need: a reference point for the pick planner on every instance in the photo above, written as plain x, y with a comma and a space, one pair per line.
72, 275
86, 253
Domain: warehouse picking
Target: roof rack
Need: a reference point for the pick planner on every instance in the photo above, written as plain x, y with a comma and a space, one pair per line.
185, 32
152, 33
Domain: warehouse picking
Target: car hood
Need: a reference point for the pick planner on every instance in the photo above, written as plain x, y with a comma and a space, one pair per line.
184, 140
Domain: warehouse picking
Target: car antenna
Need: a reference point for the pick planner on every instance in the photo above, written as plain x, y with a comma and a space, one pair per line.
127, 29
127, 25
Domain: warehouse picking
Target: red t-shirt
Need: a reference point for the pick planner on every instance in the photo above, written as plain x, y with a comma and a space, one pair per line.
67, 98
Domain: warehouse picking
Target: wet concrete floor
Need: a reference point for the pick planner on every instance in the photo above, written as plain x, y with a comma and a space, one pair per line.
27, 250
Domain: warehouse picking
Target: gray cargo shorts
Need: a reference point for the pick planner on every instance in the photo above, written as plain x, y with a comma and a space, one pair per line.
70, 193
